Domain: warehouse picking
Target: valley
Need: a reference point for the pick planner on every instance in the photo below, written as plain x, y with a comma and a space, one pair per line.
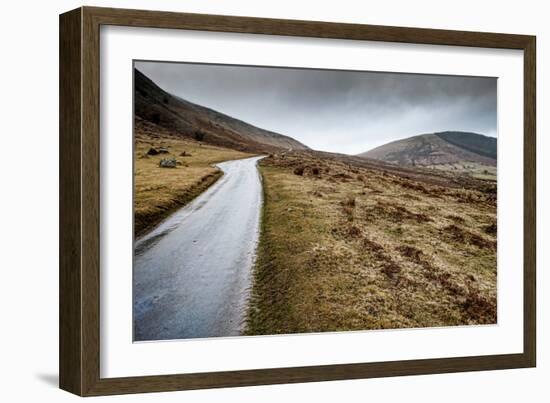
402, 236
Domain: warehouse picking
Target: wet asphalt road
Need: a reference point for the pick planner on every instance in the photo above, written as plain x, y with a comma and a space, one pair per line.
192, 273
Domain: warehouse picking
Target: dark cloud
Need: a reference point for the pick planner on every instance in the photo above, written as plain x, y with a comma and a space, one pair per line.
342, 111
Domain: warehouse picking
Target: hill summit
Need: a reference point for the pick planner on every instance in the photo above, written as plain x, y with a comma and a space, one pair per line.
434, 149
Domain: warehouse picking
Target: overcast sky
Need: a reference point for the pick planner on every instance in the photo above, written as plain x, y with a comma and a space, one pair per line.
339, 111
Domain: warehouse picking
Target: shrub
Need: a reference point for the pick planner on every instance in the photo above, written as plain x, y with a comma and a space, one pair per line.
155, 118
491, 229
354, 232
299, 171
199, 135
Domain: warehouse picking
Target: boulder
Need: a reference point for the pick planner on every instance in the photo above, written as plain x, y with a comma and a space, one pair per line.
168, 163
152, 151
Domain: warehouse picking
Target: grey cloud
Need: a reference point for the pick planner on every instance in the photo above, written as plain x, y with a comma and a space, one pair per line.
340, 111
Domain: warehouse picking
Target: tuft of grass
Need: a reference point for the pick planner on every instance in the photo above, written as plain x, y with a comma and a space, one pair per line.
348, 207
299, 171
461, 235
410, 252
490, 229
456, 218
479, 309
354, 231
391, 269
349, 202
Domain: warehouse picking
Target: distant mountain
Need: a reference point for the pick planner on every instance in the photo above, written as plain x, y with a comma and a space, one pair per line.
185, 119
438, 149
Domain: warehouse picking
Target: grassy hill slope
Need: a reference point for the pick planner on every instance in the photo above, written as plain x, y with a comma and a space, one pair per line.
461, 152
188, 120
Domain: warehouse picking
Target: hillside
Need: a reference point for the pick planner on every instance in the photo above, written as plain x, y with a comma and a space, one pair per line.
438, 149
476, 143
188, 120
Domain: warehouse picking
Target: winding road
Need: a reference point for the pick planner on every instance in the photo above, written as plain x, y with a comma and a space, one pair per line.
192, 273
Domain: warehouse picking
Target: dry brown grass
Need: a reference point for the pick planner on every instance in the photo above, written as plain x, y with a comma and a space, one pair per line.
347, 247
160, 191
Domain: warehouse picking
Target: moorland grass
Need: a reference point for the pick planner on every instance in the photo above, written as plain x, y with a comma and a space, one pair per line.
350, 248
160, 191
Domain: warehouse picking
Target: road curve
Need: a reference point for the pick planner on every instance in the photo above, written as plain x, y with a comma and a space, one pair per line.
192, 273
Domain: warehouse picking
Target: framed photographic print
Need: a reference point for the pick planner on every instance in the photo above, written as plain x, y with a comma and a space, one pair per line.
249, 201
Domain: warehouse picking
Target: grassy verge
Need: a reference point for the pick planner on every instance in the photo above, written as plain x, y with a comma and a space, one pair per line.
347, 248
160, 191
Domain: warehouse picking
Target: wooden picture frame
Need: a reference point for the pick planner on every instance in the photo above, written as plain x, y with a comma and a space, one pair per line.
79, 201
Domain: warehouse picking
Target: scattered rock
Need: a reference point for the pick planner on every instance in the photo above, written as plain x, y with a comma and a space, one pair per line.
152, 151
168, 163
163, 150
185, 154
